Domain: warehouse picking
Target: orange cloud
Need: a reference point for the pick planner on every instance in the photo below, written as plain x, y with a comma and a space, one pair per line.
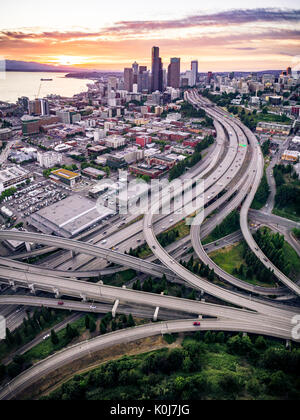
259, 35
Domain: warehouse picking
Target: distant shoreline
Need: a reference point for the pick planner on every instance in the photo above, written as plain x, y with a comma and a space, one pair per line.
36, 71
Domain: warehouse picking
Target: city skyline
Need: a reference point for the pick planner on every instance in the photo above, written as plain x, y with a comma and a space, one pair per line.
259, 37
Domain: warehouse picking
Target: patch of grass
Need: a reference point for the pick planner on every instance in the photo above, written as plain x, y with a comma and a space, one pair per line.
231, 259
57, 317
46, 348
291, 255
119, 279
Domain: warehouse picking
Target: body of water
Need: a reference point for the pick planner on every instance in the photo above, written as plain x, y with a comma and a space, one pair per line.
17, 84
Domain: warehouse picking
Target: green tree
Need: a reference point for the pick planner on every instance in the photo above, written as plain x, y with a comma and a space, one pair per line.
87, 322
92, 326
130, 321
54, 338
102, 327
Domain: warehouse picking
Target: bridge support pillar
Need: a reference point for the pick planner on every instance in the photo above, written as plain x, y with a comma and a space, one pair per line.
73, 254
56, 292
13, 285
200, 316
31, 288
115, 307
28, 246
155, 316
124, 286
203, 300
288, 344
83, 297
100, 282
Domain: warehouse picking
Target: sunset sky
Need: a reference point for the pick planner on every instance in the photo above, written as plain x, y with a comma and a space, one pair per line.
110, 35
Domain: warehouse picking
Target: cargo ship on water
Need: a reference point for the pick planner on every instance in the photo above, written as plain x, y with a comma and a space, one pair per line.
46, 80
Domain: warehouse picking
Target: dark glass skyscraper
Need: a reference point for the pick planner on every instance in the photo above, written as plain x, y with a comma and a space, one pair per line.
128, 79
157, 72
174, 73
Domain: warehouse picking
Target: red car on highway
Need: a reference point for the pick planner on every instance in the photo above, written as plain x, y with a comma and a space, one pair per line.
197, 324
60, 303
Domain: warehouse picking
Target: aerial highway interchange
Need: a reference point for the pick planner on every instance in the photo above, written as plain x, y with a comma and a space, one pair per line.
232, 173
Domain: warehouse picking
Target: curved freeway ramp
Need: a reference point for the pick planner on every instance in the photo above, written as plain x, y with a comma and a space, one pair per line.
259, 163
80, 350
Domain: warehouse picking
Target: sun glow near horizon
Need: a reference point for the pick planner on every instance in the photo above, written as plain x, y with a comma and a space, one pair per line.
68, 60
254, 38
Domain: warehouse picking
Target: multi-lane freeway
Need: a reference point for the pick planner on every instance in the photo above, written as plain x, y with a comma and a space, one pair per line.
231, 178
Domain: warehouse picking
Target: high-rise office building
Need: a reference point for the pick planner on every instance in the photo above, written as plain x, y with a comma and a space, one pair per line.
189, 77
194, 69
38, 107
143, 79
157, 72
135, 70
174, 73
44, 107
128, 79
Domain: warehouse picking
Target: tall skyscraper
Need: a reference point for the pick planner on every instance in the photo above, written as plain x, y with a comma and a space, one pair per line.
157, 72
135, 69
128, 79
44, 107
194, 69
143, 79
174, 73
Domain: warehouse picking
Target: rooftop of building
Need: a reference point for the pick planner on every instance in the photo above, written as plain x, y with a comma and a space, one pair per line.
11, 173
70, 216
64, 173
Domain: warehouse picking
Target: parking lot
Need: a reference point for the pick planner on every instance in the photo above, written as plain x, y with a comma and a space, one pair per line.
34, 197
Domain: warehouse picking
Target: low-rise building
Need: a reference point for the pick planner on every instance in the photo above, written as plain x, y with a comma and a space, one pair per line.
94, 173
273, 128
12, 176
161, 160
114, 142
153, 171
5, 134
98, 190
116, 162
32, 125
96, 150
69, 217
143, 140
67, 177
290, 155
